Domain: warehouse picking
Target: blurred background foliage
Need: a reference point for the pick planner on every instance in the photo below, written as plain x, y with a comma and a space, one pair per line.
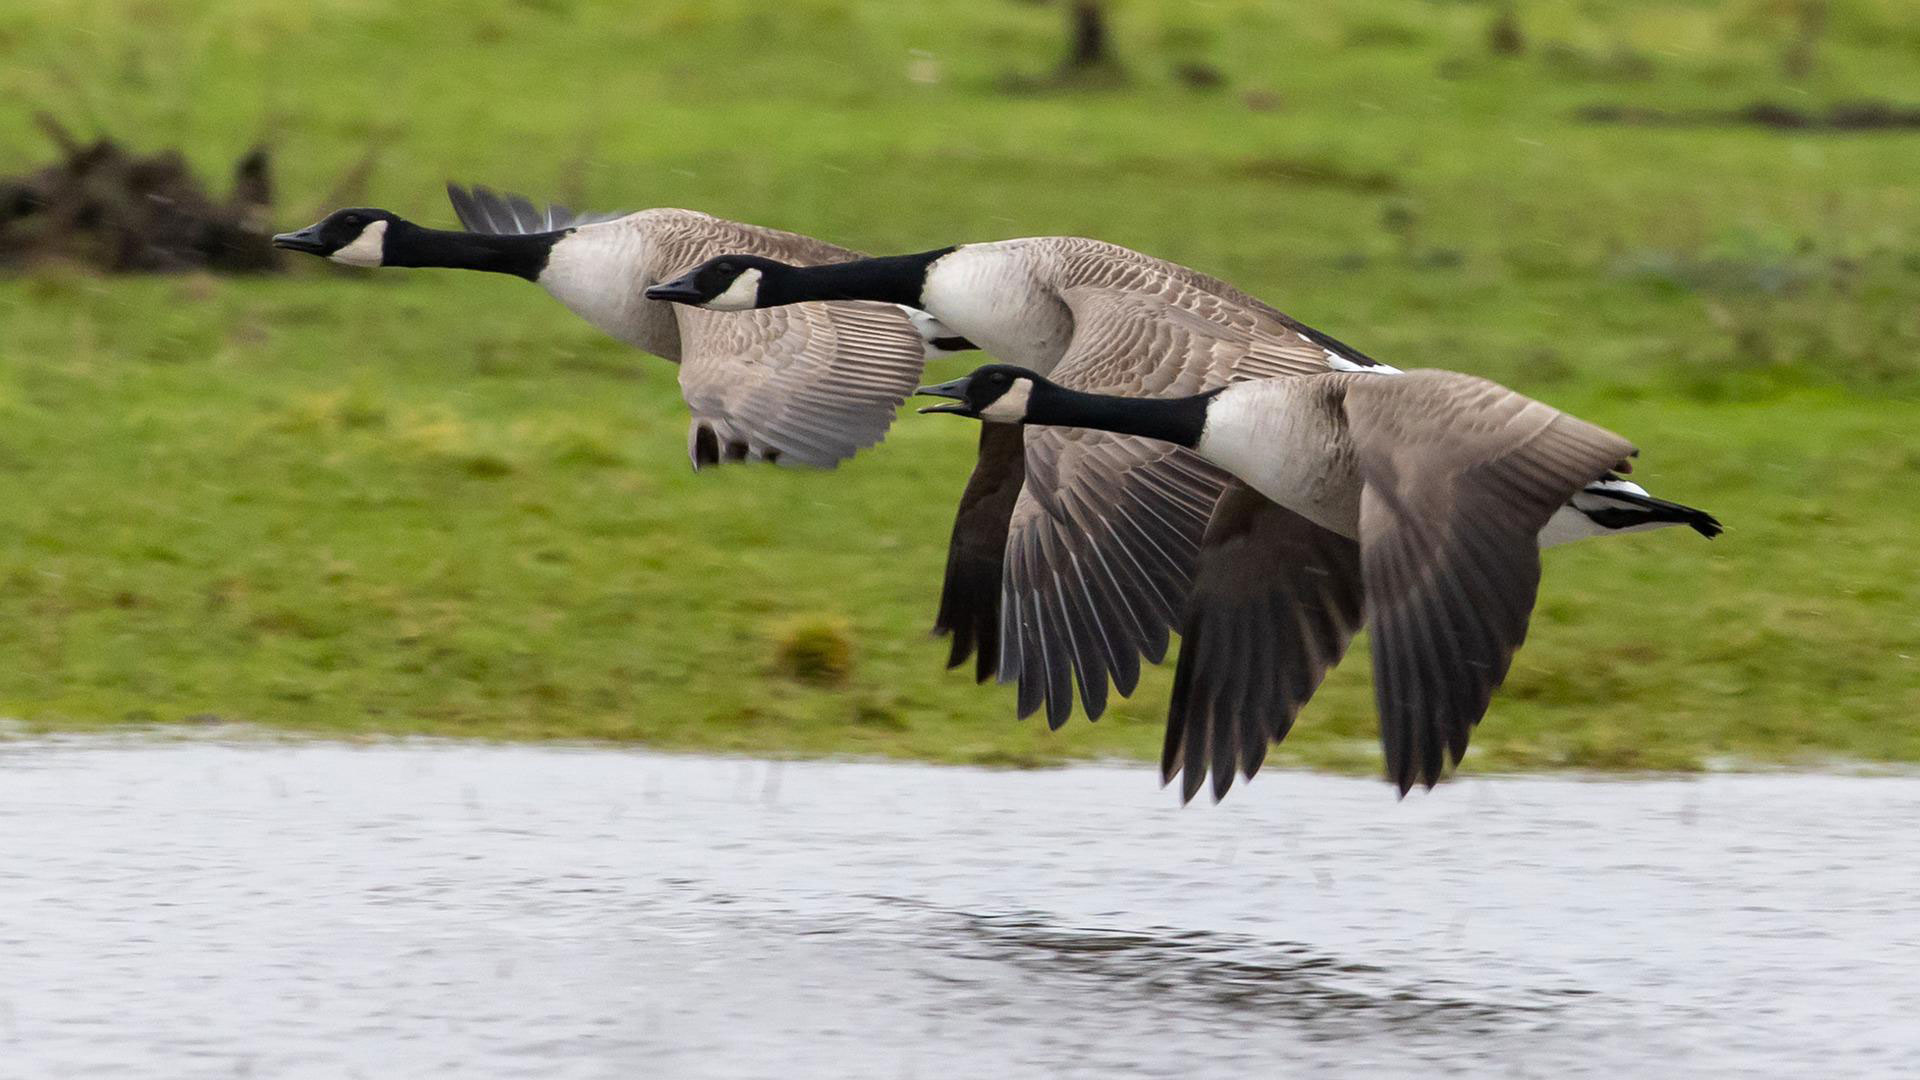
434, 502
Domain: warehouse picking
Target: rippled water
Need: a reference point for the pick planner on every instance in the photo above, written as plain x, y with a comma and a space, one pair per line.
434, 910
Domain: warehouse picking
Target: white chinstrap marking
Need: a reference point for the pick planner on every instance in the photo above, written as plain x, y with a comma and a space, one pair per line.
1010, 407
367, 249
742, 295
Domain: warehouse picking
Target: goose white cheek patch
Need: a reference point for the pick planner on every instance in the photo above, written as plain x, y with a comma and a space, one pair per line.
366, 249
1010, 407
740, 296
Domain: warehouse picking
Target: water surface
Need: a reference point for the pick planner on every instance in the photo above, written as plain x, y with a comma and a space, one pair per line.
177, 909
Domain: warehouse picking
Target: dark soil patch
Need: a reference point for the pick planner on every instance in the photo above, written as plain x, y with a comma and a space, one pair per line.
1843, 117
105, 206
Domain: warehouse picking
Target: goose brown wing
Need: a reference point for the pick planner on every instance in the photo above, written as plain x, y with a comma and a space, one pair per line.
1276, 599
806, 384
482, 210
1458, 477
976, 554
1103, 539
1099, 557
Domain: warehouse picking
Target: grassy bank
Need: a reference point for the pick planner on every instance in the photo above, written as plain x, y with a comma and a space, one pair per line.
428, 502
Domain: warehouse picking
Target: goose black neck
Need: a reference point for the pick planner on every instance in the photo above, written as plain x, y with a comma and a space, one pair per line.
1176, 420
522, 255
892, 279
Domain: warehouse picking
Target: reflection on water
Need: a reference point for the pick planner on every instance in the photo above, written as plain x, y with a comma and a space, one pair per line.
1268, 980
436, 910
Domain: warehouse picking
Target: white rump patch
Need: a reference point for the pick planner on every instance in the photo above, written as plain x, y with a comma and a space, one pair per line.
742, 295
1567, 525
1010, 407
367, 249
1341, 363
1617, 484
929, 328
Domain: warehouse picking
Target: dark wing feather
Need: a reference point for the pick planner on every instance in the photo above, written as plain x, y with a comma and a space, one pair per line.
1101, 548
1458, 477
1276, 599
483, 210
1100, 552
970, 595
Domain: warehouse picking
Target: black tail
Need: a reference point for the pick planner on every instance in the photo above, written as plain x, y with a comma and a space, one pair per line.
1645, 509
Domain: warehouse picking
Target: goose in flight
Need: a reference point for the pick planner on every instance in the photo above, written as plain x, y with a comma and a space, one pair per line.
756, 386
1415, 505
1084, 538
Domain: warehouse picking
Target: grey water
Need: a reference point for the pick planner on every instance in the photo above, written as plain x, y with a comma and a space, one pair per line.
258, 909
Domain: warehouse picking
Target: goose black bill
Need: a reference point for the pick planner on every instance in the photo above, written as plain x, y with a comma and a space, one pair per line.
680, 290
307, 240
957, 389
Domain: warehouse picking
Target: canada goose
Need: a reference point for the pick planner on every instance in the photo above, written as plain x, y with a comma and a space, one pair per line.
756, 387
1078, 530
1434, 490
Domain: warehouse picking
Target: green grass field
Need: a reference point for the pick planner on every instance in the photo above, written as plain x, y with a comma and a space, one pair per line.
435, 502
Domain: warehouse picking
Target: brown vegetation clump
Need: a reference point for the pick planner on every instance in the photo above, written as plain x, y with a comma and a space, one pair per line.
814, 650
107, 207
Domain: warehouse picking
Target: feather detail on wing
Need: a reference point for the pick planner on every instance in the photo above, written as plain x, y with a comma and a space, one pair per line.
1276, 599
482, 210
807, 384
1103, 541
1100, 554
1458, 477
976, 555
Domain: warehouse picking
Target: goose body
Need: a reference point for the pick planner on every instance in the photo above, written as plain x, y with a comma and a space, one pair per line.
1076, 526
752, 383
1416, 505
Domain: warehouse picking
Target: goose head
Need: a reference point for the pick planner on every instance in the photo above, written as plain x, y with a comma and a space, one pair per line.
356, 237
999, 392
726, 283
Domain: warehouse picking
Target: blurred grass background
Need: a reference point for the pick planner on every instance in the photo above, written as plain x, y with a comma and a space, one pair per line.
436, 502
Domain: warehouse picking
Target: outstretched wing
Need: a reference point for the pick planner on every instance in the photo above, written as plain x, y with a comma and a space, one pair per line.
976, 553
1100, 552
483, 210
1104, 536
1276, 599
807, 384
1459, 475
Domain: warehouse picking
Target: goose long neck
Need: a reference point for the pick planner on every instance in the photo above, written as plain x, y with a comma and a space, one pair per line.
892, 279
523, 255
1176, 420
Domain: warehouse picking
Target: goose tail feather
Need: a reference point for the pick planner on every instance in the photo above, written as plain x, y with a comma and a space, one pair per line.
1617, 504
